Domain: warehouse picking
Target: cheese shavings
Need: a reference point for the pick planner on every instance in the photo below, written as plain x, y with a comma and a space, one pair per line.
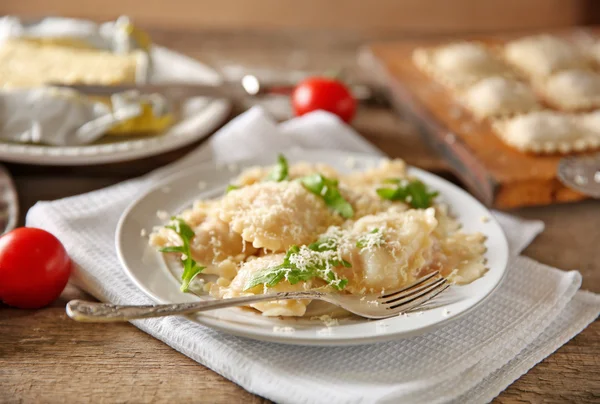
371, 240
304, 263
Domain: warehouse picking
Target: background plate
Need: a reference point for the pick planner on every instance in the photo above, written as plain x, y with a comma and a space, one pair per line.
153, 274
201, 116
9, 203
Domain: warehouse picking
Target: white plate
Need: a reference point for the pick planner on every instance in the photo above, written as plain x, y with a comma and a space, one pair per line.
200, 116
155, 276
9, 203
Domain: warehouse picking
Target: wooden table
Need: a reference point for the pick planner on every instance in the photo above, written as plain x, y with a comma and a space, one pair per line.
46, 357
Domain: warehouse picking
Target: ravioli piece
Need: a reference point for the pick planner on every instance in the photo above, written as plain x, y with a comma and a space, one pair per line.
541, 55
591, 124
365, 201
199, 212
295, 308
214, 246
572, 90
256, 174
276, 215
447, 224
359, 188
545, 132
375, 176
388, 250
460, 64
459, 257
499, 96
592, 50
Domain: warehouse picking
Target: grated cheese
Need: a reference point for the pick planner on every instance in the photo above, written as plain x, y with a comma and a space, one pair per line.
284, 330
327, 320
276, 215
163, 215
371, 240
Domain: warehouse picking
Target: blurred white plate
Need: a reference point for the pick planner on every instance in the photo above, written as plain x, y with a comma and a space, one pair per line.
9, 203
159, 278
200, 116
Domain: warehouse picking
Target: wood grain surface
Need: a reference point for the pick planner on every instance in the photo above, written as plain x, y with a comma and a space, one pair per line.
374, 16
47, 358
500, 175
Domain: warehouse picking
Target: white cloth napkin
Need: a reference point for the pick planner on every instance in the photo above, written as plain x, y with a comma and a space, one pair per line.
534, 311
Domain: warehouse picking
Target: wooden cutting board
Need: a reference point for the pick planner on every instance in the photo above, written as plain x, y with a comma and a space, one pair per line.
497, 174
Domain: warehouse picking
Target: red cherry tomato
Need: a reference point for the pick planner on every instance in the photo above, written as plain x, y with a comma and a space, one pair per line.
326, 94
34, 268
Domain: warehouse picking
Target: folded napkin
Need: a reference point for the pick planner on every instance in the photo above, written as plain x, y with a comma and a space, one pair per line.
533, 312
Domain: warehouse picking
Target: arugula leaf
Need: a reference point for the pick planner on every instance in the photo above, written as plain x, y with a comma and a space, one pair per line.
319, 267
412, 192
190, 268
172, 249
268, 277
327, 188
231, 187
280, 171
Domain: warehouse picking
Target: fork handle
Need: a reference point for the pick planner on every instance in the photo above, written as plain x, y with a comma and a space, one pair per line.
93, 312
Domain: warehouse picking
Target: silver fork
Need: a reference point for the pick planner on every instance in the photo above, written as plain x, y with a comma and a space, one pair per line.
387, 304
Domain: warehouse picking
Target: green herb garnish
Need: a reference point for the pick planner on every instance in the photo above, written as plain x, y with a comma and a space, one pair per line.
190, 268
414, 192
327, 188
280, 171
231, 187
303, 264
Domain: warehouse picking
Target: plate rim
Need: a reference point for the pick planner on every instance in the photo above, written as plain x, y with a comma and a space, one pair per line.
291, 339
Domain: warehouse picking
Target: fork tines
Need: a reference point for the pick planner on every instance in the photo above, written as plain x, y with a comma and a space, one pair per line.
415, 294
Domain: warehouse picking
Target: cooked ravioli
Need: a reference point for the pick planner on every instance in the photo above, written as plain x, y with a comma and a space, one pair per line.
377, 175
199, 212
214, 245
256, 174
274, 308
546, 132
541, 55
284, 228
365, 201
572, 90
276, 215
359, 188
390, 249
499, 96
458, 257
